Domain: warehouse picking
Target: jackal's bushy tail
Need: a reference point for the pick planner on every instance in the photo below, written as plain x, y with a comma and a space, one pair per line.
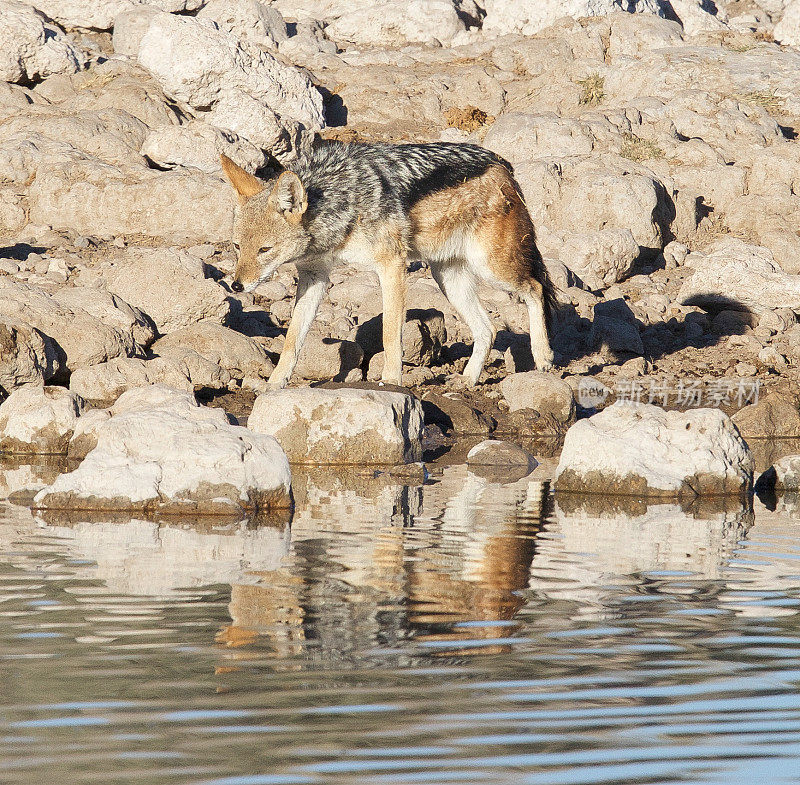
541, 274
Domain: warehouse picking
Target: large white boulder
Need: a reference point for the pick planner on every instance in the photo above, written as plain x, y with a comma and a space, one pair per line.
644, 450
531, 16
37, 419
203, 66
341, 426
30, 48
398, 23
158, 452
735, 274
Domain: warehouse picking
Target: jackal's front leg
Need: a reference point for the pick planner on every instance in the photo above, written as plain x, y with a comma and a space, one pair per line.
393, 285
311, 285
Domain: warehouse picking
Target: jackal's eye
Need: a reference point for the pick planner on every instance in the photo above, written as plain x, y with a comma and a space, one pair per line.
265, 249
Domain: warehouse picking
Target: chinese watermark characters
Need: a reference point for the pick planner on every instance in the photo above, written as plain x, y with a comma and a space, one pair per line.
680, 393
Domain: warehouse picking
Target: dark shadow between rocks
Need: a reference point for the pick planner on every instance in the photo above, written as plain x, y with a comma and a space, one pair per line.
20, 251
334, 108
620, 336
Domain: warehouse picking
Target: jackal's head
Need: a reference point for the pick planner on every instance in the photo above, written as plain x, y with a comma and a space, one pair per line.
268, 229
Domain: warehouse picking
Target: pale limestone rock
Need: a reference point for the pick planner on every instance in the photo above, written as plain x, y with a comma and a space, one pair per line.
91, 199
643, 450
530, 16
107, 381
112, 136
202, 66
771, 416
787, 31
88, 14
696, 19
30, 48
341, 426
237, 354
252, 119
399, 23
130, 27
600, 258
735, 271
170, 286
544, 392
87, 326
787, 473
118, 83
329, 359
584, 193
199, 145
492, 452
522, 137
424, 336
251, 19
159, 452
101, 14
37, 419
26, 356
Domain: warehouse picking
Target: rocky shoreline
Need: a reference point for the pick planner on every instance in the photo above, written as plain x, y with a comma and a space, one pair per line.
658, 155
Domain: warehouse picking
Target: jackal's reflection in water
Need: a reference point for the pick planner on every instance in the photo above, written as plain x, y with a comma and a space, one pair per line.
373, 565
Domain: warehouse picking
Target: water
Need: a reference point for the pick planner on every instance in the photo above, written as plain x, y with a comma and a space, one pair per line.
461, 631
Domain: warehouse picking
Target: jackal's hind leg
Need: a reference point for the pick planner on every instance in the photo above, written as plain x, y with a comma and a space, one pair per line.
311, 285
459, 286
540, 343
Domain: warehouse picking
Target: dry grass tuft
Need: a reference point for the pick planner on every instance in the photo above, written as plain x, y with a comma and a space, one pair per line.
593, 89
767, 99
634, 148
468, 119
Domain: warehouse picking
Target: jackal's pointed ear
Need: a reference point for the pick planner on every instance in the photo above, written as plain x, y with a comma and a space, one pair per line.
246, 184
289, 196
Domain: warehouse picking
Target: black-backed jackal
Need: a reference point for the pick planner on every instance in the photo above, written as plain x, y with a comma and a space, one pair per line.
455, 206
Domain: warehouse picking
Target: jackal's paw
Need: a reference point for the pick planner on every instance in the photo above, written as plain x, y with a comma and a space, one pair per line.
276, 382
464, 381
544, 360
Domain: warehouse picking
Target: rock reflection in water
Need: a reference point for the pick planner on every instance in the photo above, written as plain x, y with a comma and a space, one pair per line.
147, 558
25, 475
594, 544
373, 566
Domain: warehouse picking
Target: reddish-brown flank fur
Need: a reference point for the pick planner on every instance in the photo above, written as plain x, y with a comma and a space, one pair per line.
492, 208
